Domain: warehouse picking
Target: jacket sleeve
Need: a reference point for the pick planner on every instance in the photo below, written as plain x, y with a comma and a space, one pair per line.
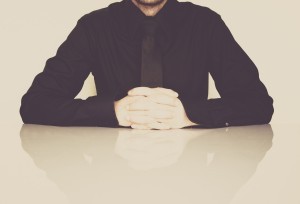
244, 99
50, 99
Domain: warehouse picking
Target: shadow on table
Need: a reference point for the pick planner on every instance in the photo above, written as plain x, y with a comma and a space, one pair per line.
94, 165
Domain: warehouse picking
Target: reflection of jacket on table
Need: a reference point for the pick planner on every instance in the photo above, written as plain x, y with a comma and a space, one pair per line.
210, 166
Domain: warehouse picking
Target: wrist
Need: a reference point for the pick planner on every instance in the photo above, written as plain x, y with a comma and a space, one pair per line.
116, 108
189, 122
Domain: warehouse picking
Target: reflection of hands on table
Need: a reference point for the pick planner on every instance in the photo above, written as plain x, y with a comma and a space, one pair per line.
151, 108
148, 149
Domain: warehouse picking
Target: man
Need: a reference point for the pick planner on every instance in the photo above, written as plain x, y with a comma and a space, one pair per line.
186, 43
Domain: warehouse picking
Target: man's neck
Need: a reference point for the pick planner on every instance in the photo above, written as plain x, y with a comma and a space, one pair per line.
148, 8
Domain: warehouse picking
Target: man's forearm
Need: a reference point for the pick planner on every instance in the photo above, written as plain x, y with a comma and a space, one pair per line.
61, 111
229, 112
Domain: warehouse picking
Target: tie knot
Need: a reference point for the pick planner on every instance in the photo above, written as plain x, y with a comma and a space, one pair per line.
149, 26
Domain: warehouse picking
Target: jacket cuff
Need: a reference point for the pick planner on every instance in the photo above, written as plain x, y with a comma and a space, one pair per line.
102, 112
207, 113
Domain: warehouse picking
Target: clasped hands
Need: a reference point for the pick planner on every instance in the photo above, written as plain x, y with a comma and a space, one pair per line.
151, 108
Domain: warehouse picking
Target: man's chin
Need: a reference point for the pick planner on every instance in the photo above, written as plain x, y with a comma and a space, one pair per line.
149, 3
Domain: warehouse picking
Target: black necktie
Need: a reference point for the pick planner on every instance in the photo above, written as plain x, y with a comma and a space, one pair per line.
151, 72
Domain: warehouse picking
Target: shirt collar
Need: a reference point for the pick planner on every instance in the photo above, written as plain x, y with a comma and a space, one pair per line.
128, 18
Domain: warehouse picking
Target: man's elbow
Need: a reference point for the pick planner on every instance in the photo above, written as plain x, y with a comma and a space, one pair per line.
27, 111
266, 111
24, 113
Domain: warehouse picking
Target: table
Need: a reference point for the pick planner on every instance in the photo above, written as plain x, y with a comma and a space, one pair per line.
237, 165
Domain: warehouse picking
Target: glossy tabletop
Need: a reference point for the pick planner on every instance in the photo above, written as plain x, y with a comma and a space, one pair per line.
76, 165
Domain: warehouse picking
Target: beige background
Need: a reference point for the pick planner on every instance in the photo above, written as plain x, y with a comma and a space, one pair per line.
268, 31
30, 33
